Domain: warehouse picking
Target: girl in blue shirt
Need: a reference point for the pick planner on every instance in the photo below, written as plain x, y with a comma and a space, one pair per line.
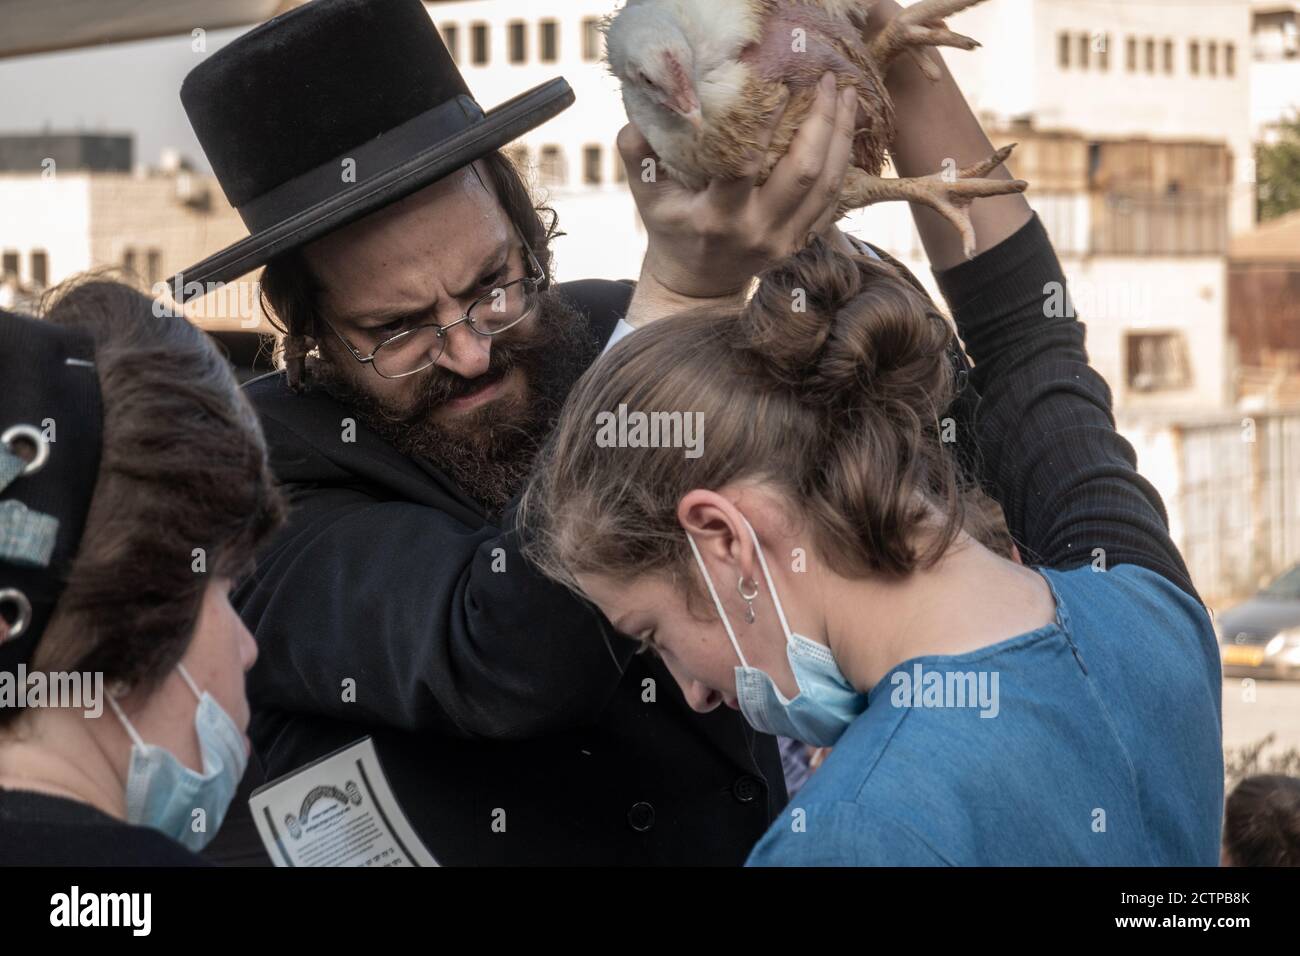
823, 561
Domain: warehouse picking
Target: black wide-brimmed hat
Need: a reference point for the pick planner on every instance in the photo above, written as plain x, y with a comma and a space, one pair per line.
332, 111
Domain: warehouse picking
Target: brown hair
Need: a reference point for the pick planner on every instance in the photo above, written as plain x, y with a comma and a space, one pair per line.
828, 386
289, 290
1261, 821
183, 467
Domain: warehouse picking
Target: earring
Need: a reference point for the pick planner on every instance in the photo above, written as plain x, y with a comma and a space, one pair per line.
748, 598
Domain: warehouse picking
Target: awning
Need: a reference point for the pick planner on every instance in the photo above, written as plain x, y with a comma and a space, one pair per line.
42, 26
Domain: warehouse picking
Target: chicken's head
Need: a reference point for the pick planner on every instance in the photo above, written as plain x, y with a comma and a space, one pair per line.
654, 61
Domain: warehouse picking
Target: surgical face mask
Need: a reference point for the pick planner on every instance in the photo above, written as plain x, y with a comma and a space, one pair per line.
163, 793
826, 703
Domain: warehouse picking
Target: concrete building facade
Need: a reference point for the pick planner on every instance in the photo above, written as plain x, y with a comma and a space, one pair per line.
59, 219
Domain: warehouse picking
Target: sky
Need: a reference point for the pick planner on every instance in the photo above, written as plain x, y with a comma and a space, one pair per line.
120, 88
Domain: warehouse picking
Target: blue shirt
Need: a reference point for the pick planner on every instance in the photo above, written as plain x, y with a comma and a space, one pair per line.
1102, 745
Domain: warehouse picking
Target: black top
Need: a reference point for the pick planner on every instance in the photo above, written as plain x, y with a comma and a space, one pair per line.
38, 829
1048, 449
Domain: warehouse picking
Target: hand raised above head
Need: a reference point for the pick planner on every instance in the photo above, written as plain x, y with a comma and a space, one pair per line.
710, 243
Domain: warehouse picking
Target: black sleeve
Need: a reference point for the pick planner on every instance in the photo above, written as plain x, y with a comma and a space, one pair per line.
1048, 449
394, 614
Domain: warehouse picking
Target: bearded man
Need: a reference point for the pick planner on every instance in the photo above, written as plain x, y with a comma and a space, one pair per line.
426, 355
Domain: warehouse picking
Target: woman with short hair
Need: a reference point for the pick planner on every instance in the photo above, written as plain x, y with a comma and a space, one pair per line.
133, 489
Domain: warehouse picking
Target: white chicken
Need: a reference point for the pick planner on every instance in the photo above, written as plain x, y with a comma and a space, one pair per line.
701, 79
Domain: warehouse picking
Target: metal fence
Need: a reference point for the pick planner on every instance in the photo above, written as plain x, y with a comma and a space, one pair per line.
1137, 224
1232, 489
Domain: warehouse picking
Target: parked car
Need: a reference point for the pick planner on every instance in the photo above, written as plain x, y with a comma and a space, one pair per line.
1261, 637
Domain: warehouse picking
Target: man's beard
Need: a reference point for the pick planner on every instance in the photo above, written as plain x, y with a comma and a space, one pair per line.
488, 450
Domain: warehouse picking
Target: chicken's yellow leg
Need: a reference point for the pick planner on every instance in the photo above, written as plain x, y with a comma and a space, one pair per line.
948, 193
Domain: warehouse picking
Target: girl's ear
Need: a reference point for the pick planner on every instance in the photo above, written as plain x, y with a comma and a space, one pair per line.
718, 529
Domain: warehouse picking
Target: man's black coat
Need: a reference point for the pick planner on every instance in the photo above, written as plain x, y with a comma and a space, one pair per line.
514, 725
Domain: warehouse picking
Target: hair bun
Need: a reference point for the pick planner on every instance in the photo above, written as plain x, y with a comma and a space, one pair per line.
837, 329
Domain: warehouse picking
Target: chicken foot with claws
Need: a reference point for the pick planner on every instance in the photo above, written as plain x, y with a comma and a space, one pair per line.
948, 195
916, 27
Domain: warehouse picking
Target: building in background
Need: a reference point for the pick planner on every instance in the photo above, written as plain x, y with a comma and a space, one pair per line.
1275, 67
1136, 142
504, 47
74, 201
1264, 319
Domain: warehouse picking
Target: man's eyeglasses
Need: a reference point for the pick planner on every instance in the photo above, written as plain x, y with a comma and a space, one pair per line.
416, 349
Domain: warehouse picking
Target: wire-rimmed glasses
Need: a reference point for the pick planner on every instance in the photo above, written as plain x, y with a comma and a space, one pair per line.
413, 350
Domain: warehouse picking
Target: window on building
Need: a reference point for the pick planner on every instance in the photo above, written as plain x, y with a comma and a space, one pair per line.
1156, 361
128, 260
1168, 56
516, 31
1131, 54
1212, 58
154, 267
1085, 47
620, 171
591, 173
1194, 58
1102, 47
478, 41
9, 265
549, 41
1063, 50
1230, 59
1149, 56
592, 41
550, 166
451, 37
40, 268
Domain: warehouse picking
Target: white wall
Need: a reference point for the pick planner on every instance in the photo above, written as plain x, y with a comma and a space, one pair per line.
51, 214
1017, 74
1274, 95
603, 239
1231, 486
1115, 295
999, 78
146, 212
